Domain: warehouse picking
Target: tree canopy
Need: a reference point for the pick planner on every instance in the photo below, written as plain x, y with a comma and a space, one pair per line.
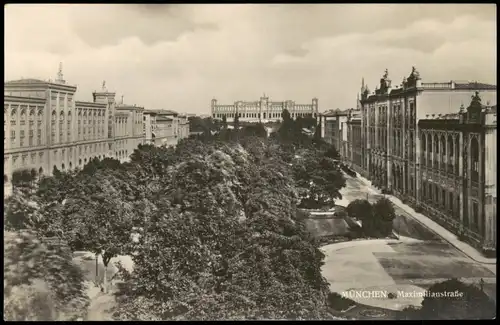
220, 232
40, 281
453, 299
377, 219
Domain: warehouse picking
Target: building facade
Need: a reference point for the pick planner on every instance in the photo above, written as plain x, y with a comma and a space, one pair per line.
128, 127
46, 128
334, 129
164, 127
458, 170
263, 110
393, 126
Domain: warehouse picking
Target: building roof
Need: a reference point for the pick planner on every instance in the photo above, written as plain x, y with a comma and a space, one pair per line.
38, 82
164, 118
335, 112
473, 85
24, 81
396, 91
160, 112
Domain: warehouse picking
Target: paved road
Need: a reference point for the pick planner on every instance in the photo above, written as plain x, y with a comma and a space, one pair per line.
417, 262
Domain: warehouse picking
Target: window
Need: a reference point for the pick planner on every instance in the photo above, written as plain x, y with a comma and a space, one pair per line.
451, 202
475, 215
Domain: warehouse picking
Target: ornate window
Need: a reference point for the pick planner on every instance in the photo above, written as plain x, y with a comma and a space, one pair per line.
474, 157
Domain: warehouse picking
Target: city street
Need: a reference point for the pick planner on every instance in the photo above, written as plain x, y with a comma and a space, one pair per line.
412, 264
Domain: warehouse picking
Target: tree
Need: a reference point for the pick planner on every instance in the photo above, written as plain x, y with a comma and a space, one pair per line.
257, 130
20, 211
236, 122
95, 212
231, 247
224, 122
317, 133
453, 299
24, 179
376, 219
40, 281
360, 210
331, 152
383, 214
319, 180
309, 121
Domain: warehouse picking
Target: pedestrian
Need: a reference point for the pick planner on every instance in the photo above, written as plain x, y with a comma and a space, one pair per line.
481, 284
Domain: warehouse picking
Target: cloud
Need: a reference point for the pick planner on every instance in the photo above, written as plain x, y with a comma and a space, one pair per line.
150, 23
181, 56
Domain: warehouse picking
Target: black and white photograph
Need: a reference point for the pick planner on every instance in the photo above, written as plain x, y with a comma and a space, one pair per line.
250, 161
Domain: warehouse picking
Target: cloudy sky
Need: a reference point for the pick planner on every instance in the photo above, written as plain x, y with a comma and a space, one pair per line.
179, 57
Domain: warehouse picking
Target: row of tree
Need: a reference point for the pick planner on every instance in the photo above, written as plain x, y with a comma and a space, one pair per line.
217, 217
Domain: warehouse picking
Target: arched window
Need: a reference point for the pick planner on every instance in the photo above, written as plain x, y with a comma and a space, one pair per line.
423, 147
451, 150
70, 165
435, 143
40, 171
443, 151
5, 178
474, 159
411, 146
80, 162
429, 144
63, 166
451, 203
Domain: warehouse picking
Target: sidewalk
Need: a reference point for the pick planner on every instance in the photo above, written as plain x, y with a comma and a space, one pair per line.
451, 238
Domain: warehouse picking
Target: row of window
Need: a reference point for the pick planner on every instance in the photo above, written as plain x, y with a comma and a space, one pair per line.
449, 201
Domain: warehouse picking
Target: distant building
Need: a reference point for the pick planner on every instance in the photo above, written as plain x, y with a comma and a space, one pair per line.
334, 129
128, 132
164, 127
440, 164
263, 110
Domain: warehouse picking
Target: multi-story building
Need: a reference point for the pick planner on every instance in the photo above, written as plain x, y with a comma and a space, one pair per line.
392, 124
263, 110
46, 128
457, 154
334, 129
354, 156
164, 127
128, 134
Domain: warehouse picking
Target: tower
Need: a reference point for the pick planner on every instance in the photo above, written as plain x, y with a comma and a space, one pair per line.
315, 106
60, 77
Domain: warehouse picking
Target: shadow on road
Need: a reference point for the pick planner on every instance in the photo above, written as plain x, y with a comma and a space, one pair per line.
406, 226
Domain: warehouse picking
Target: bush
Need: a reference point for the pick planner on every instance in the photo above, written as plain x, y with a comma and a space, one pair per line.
468, 303
418, 208
339, 303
